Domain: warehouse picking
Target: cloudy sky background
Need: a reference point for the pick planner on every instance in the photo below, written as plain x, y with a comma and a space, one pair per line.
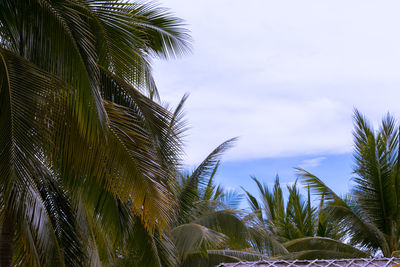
284, 76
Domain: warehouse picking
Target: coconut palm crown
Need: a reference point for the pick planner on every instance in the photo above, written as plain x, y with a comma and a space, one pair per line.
370, 213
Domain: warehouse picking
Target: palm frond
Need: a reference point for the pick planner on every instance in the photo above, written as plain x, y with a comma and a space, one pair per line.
228, 223
263, 241
323, 243
338, 210
375, 157
189, 193
178, 123
30, 190
130, 33
145, 249
195, 238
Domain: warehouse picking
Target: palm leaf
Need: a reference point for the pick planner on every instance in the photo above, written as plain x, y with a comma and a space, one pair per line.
375, 157
338, 210
130, 33
195, 238
323, 243
228, 223
26, 178
189, 193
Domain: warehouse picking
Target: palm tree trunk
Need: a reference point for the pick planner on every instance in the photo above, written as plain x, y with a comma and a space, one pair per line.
7, 239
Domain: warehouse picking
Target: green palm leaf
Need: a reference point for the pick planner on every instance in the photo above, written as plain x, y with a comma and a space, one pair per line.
195, 238
228, 223
348, 215
189, 194
72, 122
26, 178
323, 243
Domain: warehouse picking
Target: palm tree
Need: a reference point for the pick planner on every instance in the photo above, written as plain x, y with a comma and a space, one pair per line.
75, 127
297, 219
206, 220
206, 216
208, 227
370, 213
138, 246
304, 231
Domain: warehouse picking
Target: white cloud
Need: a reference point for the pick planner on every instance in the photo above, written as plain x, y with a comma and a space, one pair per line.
311, 163
283, 75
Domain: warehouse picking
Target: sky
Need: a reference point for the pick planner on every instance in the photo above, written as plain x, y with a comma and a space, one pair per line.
285, 77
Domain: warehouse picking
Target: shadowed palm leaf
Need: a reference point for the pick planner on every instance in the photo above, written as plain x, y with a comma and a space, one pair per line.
309, 245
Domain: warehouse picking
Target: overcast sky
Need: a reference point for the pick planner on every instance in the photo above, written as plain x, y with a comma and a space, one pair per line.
283, 75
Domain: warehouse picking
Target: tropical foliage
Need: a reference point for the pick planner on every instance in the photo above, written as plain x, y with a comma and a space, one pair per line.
90, 171
294, 220
370, 213
302, 230
83, 149
206, 215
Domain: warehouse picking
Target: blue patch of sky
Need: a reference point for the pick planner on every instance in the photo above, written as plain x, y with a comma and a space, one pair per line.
334, 170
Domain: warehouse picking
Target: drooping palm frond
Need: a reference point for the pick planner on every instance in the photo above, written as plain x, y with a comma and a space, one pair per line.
144, 249
194, 238
60, 60
323, 244
128, 163
338, 210
260, 238
55, 37
130, 34
227, 222
29, 188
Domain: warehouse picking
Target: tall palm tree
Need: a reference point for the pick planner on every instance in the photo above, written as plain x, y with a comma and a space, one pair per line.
370, 212
75, 126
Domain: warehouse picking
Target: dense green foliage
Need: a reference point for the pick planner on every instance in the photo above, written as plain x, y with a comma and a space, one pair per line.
296, 224
296, 219
370, 213
90, 171
86, 157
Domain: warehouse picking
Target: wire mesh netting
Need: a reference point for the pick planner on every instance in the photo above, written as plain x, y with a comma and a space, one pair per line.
372, 262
